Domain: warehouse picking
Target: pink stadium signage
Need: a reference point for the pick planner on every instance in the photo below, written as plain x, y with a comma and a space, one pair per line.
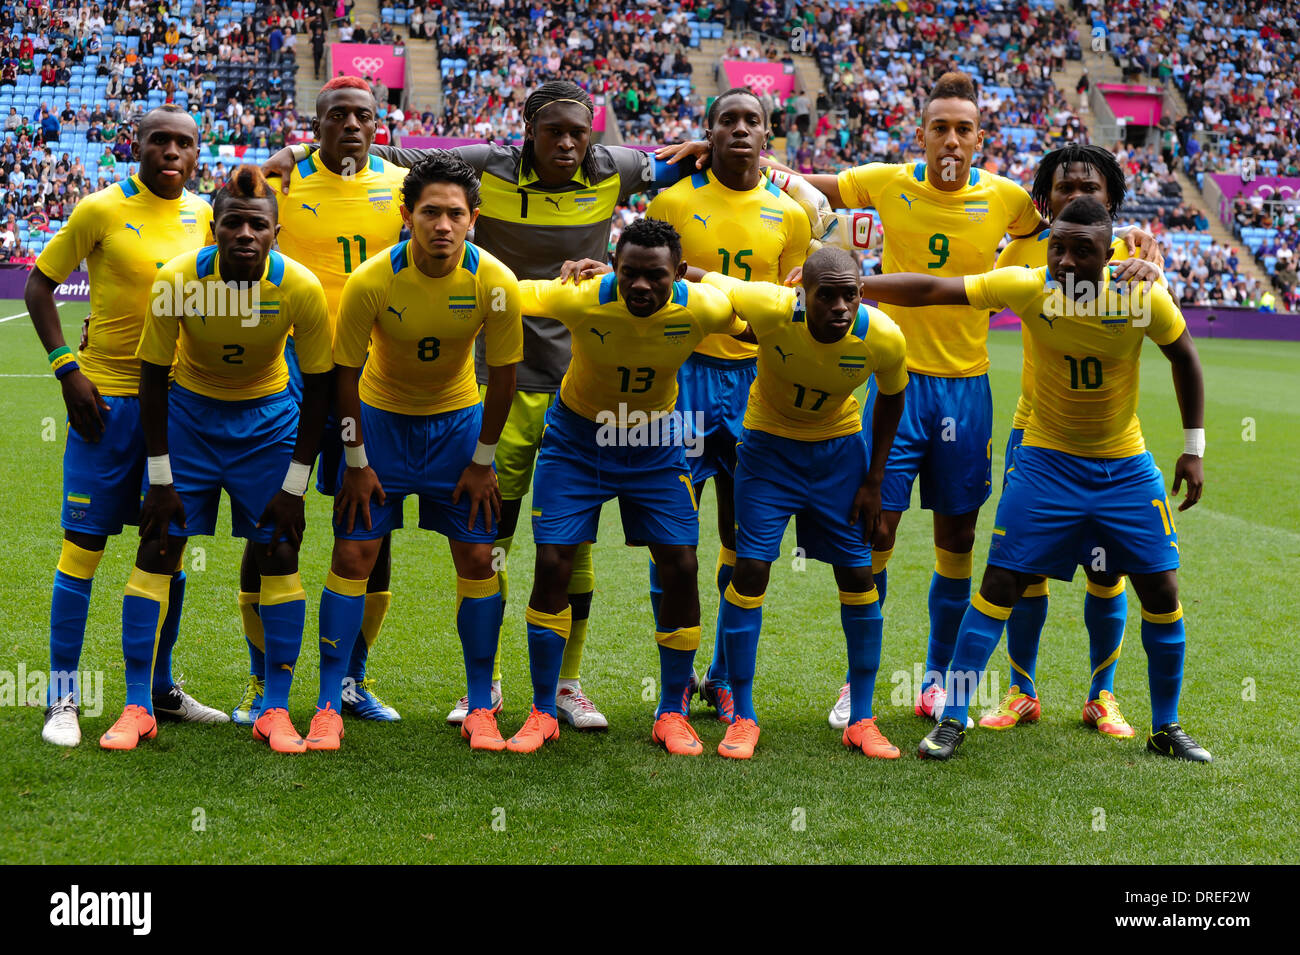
368, 59
760, 77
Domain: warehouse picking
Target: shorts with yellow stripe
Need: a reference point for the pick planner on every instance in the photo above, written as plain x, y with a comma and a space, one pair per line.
1059, 509
102, 479
520, 439
582, 465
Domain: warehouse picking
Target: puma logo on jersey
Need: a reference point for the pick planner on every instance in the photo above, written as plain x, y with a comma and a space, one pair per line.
704, 220
1051, 322
784, 354
136, 228
906, 198
396, 312
312, 209
553, 201
600, 335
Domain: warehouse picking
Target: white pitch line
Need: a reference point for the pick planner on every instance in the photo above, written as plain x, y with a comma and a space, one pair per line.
10, 318
26, 376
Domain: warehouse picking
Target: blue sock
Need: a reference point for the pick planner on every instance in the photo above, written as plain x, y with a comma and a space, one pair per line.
342, 604
171, 629
284, 611
547, 635
69, 608
256, 661
949, 598
252, 621
656, 591
981, 629
1165, 642
357, 662
863, 632
675, 669
726, 568
478, 621
741, 622
1024, 629
144, 607
1105, 617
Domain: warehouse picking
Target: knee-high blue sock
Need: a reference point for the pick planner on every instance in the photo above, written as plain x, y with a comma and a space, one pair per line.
547, 635
981, 629
171, 629
676, 666
69, 608
478, 622
949, 598
880, 577
726, 567
283, 605
1164, 641
144, 607
741, 621
1105, 612
1024, 630
656, 591
254, 635
342, 604
863, 632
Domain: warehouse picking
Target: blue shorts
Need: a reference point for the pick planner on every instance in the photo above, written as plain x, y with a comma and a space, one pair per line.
1058, 509
579, 469
101, 481
1014, 440
814, 482
331, 442
423, 455
946, 437
243, 447
712, 394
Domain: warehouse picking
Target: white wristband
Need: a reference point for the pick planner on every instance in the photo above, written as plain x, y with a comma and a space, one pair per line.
300, 151
484, 454
1194, 441
295, 480
160, 469
356, 457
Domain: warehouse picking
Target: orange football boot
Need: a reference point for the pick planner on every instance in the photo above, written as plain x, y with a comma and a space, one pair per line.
1015, 708
133, 725
480, 728
864, 735
1103, 714
275, 728
676, 735
741, 738
326, 730
540, 728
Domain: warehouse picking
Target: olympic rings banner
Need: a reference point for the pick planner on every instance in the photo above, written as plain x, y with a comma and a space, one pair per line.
368, 59
761, 77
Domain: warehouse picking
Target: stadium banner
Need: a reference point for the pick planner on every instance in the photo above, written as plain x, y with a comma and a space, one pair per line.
1136, 105
760, 77
13, 279
598, 119
369, 59
1205, 322
1270, 187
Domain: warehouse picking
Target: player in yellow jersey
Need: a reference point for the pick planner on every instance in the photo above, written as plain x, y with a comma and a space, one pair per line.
344, 209
613, 433
415, 425
228, 422
1062, 176
1082, 477
802, 455
123, 233
733, 221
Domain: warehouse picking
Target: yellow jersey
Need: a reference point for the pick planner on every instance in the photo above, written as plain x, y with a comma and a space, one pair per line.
804, 389
940, 233
1030, 252
757, 236
1085, 356
420, 330
618, 358
232, 339
125, 233
332, 223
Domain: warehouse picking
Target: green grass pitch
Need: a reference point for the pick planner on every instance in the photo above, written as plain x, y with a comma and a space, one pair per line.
412, 791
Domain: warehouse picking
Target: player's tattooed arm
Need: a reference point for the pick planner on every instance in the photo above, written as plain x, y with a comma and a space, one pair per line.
479, 480
884, 424
1189, 386
285, 512
162, 505
914, 289
360, 483
82, 398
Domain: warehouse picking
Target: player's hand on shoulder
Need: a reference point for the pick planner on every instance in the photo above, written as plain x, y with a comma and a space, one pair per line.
697, 149
582, 269
162, 507
1190, 468
285, 514
281, 164
1143, 245
795, 276
479, 481
86, 406
353, 500
1136, 271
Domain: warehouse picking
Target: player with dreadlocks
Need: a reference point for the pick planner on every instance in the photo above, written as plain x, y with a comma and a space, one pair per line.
1064, 175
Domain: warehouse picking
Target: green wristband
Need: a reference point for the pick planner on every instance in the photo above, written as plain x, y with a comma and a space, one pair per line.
58, 353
